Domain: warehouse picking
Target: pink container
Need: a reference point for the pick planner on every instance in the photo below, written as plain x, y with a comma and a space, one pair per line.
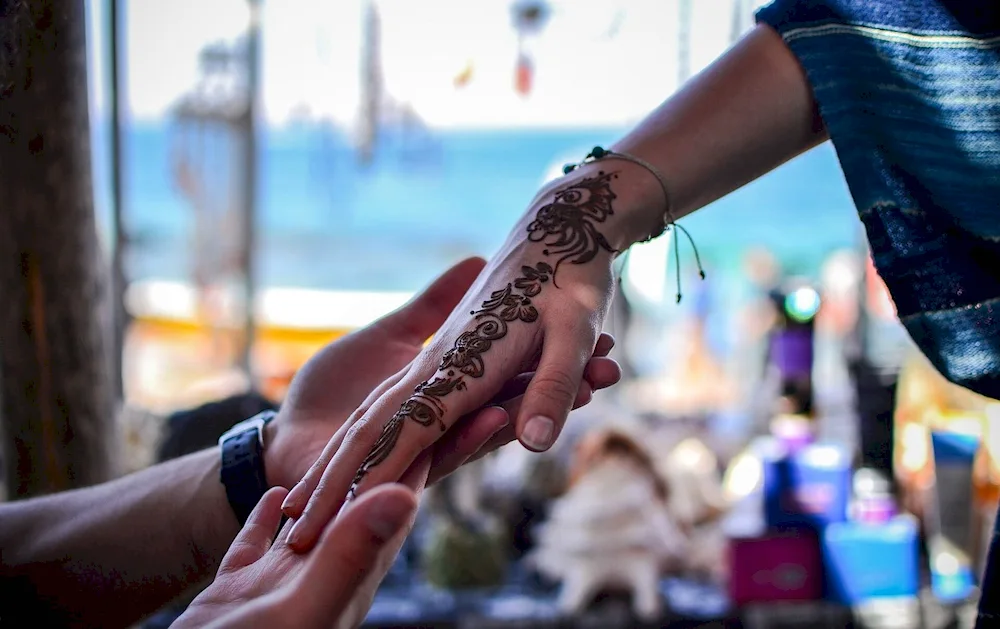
793, 433
783, 566
875, 510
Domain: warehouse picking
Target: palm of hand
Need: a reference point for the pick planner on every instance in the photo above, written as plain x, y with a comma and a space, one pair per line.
238, 585
262, 583
338, 379
329, 387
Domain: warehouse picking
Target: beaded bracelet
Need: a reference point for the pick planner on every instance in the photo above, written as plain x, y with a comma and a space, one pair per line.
669, 222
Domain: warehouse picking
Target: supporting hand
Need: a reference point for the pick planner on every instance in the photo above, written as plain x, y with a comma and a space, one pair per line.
538, 307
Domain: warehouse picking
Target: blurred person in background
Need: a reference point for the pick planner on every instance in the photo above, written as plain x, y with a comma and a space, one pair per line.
113, 554
909, 93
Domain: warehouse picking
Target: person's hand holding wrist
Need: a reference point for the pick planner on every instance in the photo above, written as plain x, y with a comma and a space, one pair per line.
539, 307
339, 378
264, 583
334, 382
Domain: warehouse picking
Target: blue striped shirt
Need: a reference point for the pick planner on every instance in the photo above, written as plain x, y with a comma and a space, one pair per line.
909, 91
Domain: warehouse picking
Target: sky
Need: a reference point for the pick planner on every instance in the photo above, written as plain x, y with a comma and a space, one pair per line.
596, 63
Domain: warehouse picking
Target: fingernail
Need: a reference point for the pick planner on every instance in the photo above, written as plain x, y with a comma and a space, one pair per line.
538, 432
388, 515
290, 499
294, 535
503, 423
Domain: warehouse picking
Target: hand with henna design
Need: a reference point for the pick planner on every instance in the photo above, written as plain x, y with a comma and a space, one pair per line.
538, 307
700, 147
340, 376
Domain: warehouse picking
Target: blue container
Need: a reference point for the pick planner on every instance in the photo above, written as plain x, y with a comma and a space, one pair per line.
865, 561
950, 521
954, 447
809, 487
953, 586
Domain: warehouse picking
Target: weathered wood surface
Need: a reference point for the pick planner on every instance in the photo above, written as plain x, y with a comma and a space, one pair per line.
56, 398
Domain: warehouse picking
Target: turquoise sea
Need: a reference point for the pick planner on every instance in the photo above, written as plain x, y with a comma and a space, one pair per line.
328, 221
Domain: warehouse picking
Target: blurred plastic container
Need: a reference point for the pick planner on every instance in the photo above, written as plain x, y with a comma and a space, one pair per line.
954, 455
815, 615
952, 576
950, 516
873, 502
867, 561
890, 613
783, 566
794, 432
809, 487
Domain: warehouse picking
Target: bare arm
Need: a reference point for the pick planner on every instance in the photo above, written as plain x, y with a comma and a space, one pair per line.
111, 554
544, 295
747, 113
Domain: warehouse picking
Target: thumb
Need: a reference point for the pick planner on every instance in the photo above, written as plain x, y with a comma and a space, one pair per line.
552, 391
350, 551
255, 538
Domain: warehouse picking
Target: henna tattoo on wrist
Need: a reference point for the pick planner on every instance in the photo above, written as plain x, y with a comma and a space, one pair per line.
567, 227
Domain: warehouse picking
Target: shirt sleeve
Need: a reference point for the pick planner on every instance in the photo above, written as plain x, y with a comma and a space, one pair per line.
980, 18
786, 15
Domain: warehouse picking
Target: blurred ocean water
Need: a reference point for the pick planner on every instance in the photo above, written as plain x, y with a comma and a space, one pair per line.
428, 197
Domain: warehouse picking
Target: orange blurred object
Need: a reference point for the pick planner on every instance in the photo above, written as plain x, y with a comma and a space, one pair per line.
986, 469
880, 303
464, 77
524, 76
986, 479
926, 402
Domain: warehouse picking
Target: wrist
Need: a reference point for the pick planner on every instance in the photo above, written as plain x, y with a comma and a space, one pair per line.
216, 527
289, 449
638, 206
272, 463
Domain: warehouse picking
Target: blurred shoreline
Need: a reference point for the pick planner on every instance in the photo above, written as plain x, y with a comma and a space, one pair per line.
327, 221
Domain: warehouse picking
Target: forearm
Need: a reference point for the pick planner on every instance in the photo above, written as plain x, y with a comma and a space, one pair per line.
746, 114
111, 554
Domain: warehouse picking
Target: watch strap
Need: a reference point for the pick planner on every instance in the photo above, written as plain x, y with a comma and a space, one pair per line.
242, 471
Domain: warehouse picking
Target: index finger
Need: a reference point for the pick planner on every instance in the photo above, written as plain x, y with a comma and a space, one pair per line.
351, 551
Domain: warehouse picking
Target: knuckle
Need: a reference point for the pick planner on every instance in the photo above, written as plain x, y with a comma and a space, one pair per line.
364, 431
556, 384
315, 471
319, 493
368, 430
432, 352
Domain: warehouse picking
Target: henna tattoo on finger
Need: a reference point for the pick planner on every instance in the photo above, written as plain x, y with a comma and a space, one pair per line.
568, 228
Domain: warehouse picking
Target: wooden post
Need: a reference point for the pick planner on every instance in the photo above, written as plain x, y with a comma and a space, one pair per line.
55, 378
120, 317
248, 241
371, 83
684, 42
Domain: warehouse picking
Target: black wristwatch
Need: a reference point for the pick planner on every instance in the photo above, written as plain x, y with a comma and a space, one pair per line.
242, 472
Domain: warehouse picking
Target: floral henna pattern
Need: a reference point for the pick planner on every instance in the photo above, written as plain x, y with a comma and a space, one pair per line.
568, 225
532, 279
568, 228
